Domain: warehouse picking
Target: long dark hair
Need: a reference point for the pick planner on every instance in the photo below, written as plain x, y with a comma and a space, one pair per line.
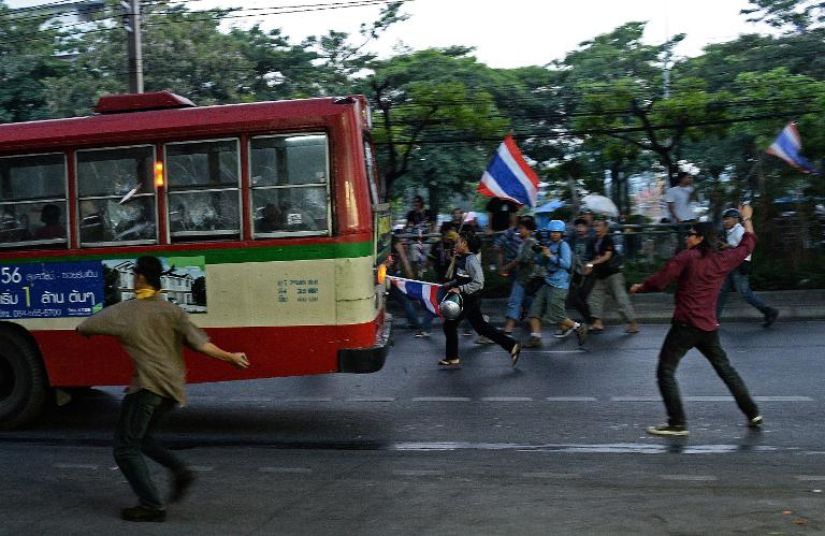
706, 230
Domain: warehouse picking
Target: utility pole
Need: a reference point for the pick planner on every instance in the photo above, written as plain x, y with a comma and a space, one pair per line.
131, 22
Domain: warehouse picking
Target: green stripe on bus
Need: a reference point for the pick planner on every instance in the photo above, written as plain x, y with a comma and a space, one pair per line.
232, 255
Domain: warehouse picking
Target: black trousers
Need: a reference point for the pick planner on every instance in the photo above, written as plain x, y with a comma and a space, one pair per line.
577, 296
140, 415
472, 312
679, 340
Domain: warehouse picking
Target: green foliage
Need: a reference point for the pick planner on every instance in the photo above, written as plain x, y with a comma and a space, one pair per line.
616, 104
28, 46
792, 15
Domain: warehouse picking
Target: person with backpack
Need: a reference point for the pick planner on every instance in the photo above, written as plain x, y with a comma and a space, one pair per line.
548, 305
606, 268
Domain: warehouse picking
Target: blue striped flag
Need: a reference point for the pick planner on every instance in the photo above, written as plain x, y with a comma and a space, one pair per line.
788, 147
508, 176
426, 293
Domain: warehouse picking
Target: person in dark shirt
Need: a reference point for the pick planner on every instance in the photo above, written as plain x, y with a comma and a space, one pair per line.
502, 214
605, 267
421, 218
441, 254
50, 217
581, 283
699, 272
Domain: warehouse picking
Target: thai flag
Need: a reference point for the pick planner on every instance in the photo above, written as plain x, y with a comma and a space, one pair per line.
788, 146
509, 177
426, 293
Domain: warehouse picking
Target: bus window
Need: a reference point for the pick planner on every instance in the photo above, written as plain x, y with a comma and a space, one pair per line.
116, 195
203, 184
372, 175
290, 184
33, 200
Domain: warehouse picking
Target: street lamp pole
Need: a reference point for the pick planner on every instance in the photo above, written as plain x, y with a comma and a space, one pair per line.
134, 44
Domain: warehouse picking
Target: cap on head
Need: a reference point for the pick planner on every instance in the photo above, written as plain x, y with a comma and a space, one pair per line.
556, 226
150, 268
585, 210
599, 217
731, 213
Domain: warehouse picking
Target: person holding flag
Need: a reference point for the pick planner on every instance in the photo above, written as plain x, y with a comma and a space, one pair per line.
469, 281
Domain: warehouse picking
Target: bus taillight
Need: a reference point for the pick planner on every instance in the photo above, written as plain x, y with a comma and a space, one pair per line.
381, 274
159, 174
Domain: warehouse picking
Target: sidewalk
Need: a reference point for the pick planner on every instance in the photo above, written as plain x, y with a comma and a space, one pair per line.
650, 308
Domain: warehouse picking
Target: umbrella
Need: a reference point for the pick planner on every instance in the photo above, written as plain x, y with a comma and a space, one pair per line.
549, 207
600, 205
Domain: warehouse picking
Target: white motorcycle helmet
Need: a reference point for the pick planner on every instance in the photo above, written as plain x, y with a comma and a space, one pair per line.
451, 306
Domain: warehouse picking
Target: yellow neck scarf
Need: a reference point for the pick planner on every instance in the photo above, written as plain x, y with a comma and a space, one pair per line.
145, 293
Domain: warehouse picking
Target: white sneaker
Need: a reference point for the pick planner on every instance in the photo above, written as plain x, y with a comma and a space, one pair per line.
564, 333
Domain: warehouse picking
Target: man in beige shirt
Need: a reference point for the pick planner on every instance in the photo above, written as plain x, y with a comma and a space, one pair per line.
153, 332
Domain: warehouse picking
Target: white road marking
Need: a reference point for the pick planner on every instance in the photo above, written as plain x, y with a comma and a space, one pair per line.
555, 476
811, 478
87, 466
286, 470
371, 399
506, 399
712, 399
308, 399
441, 399
580, 351
689, 478
783, 399
572, 399
418, 472
251, 399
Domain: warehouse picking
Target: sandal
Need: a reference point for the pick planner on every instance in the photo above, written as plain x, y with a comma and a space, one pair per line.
514, 353
595, 330
631, 331
455, 362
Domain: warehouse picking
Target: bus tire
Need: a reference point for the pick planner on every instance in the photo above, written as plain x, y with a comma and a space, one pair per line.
24, 387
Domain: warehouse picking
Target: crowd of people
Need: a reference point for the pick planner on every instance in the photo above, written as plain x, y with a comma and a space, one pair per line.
551, 271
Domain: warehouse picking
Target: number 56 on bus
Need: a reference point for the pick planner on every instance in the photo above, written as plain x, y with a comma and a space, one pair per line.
266, 216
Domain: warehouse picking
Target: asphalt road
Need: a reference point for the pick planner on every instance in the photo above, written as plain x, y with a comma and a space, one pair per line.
555, 446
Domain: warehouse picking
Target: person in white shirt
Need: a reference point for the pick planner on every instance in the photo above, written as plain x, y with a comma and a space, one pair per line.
738, 279
678, 199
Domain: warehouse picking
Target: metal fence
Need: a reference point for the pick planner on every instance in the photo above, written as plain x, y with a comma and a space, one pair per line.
648, 245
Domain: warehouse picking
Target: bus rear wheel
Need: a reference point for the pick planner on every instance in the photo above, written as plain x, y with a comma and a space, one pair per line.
24, 388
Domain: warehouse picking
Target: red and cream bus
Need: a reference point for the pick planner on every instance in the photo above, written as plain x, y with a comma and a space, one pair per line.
265, 215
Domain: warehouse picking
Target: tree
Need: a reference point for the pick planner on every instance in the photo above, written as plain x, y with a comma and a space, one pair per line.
431, 98
184, 52
798, 16
28, 46
619, 104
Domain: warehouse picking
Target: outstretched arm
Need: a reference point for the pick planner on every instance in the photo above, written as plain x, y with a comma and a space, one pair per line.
236, 359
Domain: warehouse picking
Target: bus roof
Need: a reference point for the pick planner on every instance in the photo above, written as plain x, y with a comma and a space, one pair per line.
169, 124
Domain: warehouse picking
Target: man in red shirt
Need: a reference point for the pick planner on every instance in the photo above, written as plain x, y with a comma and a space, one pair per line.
699, 272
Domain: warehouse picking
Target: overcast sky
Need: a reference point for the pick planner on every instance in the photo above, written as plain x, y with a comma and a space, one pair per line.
514, 32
